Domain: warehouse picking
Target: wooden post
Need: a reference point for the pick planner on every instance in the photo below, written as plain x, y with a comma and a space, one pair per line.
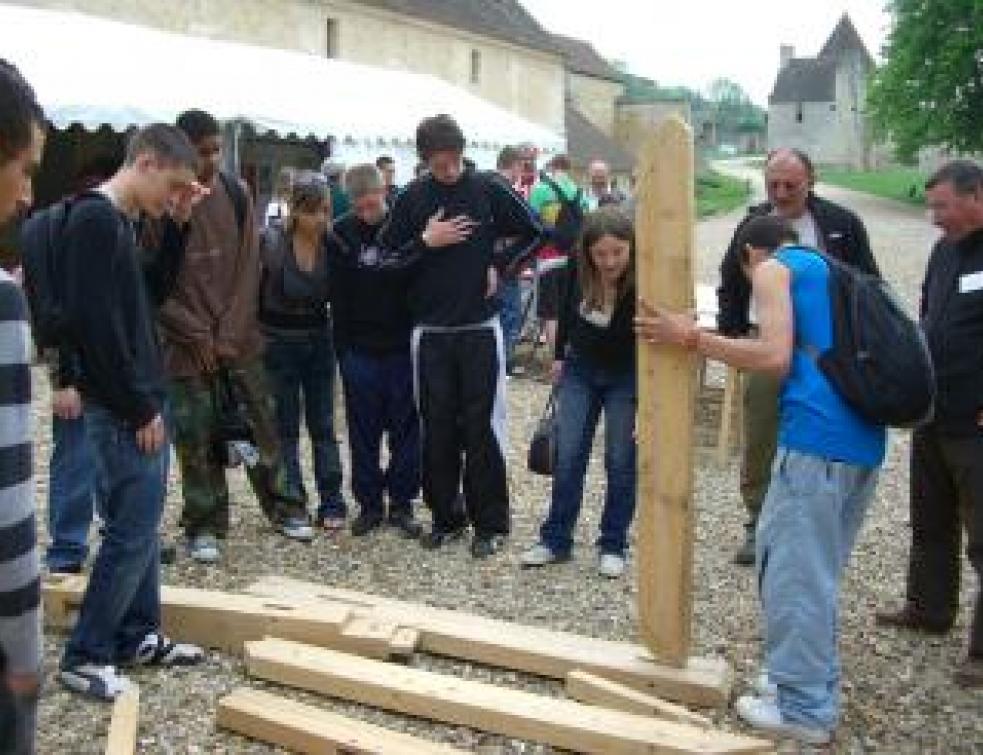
664, 234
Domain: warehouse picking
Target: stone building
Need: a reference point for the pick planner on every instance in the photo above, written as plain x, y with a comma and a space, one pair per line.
593, 92
493, 49
817, 104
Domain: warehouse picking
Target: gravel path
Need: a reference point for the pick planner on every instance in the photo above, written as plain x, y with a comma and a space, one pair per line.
897, 694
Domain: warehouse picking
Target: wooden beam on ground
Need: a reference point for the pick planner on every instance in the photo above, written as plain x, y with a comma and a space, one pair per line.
512, 713
306, 729
122, 738
704, 682
664, 552
595, 690
225, 621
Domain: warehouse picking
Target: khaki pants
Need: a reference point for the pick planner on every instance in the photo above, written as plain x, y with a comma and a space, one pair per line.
760, 439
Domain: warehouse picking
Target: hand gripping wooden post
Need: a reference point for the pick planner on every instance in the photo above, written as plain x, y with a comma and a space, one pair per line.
664, 251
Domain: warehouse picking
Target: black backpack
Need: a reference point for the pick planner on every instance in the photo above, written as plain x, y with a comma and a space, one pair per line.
566, 231
879, 361
42, 246
233, 187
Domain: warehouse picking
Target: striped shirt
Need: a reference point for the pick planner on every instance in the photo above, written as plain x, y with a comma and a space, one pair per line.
20, 587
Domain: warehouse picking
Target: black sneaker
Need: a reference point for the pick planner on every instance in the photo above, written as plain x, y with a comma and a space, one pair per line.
404, 523
365, 523
435, 539
483, 546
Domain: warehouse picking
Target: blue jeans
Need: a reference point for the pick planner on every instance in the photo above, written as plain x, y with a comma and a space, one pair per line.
379, 401
73, 494
303, 369
584, 391
510, 313
121, 604
806, 532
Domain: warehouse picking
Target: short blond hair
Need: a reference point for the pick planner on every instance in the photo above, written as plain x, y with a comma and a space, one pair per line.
362, 179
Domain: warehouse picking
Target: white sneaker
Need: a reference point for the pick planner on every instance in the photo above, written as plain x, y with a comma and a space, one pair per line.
764, 687
204, 549
762, 713
300, 529
100, 682
611, 565
539, 555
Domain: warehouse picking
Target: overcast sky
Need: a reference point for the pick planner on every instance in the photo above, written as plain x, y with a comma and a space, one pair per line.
692, 42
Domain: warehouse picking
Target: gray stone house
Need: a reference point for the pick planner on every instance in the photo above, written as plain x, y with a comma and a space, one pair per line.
817, 104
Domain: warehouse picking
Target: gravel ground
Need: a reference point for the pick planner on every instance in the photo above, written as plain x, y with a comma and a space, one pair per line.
897, 693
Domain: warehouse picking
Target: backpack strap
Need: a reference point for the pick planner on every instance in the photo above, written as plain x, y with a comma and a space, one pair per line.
560, 196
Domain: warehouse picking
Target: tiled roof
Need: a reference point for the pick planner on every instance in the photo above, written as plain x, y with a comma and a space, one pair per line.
586, 142
581, 57
845, 39
806, 80
505, 20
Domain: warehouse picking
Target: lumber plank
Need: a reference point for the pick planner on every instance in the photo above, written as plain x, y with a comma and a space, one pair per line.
595, 690
512, 713
122, 737
703, 682
224, 621
404, 642
306, 729
666, 396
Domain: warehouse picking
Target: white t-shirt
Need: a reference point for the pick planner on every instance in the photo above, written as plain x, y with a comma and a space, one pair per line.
808, 231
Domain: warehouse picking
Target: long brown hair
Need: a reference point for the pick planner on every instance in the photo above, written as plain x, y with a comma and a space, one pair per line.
606, 221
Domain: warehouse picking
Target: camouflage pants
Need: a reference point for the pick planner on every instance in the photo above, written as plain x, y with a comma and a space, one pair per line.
195, 407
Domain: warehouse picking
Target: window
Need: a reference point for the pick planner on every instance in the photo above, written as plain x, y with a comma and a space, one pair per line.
476, 66
798, 112
331, 41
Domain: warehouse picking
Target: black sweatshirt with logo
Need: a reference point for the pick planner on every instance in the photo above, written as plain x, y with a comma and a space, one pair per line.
368, 300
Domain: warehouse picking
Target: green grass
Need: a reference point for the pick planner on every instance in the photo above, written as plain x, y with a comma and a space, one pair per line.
902, 184
717, 193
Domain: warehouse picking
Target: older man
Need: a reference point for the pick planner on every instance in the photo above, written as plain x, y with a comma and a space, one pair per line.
947, 455
601, 191
820, 224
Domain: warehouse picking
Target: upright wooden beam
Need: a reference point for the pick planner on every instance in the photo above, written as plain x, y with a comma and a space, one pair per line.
666, 395
510, 712
704, 682
306, 729
122, 738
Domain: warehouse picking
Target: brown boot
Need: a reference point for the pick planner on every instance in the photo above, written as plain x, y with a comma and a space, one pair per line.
910, 618
969, 673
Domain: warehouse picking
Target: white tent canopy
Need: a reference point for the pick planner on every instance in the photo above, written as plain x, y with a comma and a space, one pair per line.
95, 72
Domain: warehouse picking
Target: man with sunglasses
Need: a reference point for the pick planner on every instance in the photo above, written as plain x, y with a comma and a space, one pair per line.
820, 224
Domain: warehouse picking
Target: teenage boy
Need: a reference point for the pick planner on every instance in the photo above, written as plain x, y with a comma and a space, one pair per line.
21, 143
212, 342
121, 383
822, 484
372, 329
450, 219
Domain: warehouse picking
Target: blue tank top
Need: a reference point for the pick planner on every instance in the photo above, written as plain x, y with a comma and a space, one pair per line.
814, 418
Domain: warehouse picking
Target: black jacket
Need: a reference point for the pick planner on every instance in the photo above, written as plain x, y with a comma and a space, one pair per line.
952, 317
610, 348
113, 326
843, 236
448, 287
291, 301
368, 300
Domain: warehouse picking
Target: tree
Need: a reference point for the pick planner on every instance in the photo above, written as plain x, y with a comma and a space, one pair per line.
929, 92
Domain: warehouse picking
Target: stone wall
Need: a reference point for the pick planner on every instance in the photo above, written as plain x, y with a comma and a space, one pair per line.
527, 82
596, 99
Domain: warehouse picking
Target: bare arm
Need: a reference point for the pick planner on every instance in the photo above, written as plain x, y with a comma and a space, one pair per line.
769, 352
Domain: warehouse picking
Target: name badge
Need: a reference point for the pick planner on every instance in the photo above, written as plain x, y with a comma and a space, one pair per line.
971, 282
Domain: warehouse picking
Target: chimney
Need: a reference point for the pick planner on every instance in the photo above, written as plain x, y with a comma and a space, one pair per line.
785, 54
